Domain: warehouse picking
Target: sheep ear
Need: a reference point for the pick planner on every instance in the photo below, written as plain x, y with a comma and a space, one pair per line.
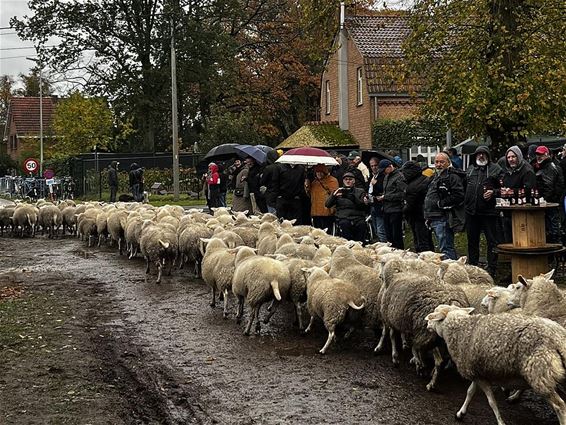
548, 276
523, 281
437, 316
462, 260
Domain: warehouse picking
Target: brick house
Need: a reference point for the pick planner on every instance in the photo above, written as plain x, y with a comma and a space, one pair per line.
355, 87
22, 131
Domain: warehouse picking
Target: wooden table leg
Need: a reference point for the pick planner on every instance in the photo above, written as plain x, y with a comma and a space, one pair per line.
528, 266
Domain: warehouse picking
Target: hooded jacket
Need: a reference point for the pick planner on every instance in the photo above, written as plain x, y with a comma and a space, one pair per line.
417, 185
213, 177
136, 174
479, 179
270, 178
113, 174
522, 176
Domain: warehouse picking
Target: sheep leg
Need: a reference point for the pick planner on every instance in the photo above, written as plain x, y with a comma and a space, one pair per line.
394, 352
558, 405
272, 308
253, 315
309, 327
469, 395
331, 336
404, 341
437, 363
417, 361
299, 312
225, 312
213, 302
120, 245
381, 344
159, 271
146, 265
486, 388
240, 312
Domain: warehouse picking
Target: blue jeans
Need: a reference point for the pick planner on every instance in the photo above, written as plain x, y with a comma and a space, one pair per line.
378, 226
445, 237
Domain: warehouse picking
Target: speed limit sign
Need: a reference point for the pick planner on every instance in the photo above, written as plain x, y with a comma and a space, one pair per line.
31, 165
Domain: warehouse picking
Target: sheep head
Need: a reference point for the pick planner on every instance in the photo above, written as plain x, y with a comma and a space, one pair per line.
434, 320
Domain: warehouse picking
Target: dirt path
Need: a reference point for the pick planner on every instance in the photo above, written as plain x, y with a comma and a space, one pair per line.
116, 348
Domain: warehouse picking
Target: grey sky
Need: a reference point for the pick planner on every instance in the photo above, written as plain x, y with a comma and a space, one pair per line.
13, 62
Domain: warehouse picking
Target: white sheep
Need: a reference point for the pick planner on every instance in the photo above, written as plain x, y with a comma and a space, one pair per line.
335, 301
504, 349
258, 279
541, 297
218, 266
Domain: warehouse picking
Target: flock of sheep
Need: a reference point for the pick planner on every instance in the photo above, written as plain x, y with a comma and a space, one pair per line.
513, 337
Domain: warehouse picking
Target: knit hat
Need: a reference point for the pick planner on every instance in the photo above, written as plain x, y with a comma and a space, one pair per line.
384, 163
348, 174
353, 154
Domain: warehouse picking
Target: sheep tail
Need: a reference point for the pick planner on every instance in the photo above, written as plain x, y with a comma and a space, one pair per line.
29, 219
355, 307
164, 244
275, 287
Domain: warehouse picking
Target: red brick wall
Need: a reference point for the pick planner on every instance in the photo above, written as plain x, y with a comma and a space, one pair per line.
330, 74
395, 110
359, 116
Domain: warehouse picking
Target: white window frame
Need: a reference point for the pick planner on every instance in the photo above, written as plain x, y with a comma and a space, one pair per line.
327, 97
360, 87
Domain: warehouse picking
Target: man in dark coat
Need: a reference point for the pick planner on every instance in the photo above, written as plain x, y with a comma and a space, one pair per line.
481, 216
136, 182
253, 179
393, 197
291, 192
445, 192
351, 209
113, 180
417, 185
270, 180
550, 185
375, 190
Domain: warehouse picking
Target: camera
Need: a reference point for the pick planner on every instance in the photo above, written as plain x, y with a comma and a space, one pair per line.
345, 189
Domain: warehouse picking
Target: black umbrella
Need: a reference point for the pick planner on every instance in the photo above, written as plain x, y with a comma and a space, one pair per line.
222, 152
367, 155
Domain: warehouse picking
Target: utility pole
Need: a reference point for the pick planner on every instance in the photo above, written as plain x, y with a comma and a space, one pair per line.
174, 116
40, 65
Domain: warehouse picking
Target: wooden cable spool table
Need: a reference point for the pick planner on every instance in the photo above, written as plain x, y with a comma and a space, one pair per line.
529, 251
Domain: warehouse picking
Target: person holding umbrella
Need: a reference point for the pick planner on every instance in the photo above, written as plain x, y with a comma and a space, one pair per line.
319, 188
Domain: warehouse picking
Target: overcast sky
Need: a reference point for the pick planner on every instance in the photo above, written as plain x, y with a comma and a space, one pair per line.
13, 51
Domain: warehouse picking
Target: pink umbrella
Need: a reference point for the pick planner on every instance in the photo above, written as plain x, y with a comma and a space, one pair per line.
307, 156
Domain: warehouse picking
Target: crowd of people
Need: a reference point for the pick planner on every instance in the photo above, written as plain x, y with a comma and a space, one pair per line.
355, 201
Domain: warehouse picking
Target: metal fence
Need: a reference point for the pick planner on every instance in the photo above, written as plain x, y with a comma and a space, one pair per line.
34, 188
90, 171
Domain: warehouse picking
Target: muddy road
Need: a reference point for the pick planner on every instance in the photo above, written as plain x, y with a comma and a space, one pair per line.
117, 348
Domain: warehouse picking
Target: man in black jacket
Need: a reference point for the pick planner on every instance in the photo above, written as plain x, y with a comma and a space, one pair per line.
136, 182
113, 180
481, 216
394, 186
291, 192
375, 190
270, 181
417, 185
351, 209
550, 184
445, 192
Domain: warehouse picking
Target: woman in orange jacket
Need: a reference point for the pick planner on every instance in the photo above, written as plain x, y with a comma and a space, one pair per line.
319, 188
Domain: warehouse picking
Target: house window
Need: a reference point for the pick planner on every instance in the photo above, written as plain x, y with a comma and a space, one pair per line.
360, 87
327, 98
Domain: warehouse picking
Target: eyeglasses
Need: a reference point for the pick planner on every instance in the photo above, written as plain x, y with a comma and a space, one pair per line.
348, 178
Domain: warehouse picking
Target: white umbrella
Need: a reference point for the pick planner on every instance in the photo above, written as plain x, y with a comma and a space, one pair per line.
307, 156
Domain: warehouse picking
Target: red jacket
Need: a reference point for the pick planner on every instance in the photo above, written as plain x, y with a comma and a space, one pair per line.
213, 175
